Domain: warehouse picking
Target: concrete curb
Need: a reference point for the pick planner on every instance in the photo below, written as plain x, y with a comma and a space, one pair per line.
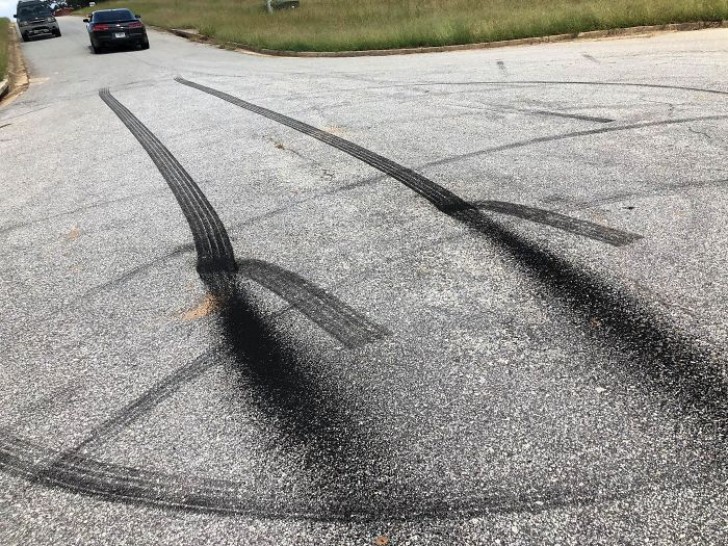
589, 35
5, 84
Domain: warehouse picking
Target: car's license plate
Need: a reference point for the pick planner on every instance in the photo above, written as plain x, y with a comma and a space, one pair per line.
119, 35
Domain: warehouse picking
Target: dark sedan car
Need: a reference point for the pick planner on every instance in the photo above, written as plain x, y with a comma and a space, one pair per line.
116, 28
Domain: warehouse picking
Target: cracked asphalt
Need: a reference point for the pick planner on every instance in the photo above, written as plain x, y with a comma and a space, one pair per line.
461, 298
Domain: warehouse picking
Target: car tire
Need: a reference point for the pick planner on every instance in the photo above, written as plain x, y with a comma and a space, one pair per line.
57, 33
145, 44
25, 37
95, 49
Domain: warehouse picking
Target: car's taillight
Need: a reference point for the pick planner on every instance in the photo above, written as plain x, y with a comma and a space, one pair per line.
136, 24
98, 27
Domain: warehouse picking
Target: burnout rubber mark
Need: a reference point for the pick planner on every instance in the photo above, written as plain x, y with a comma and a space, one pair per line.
255, 352
441, 198
214, 250
216, 261
676, 361
663, 357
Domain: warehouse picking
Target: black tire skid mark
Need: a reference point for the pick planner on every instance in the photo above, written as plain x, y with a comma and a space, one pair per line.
516, 83
216, 260
580, 117
334, 316
74, 471
371, 271
130, 485
84, 475
574, 134
664, 358
443, 199
140, 406
214, 250
341, 321
311, 417
570, 224
260, 357
403, 174
191, 501
351, 328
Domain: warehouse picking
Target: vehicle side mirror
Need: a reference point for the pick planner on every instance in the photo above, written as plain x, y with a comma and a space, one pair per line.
15, 15
86, 21
137, 16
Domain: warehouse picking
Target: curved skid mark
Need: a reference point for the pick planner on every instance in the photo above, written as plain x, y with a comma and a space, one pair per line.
141, 405
308, 413
192, 493
216, 260
576, 226
338, 319
670, 354
663, 358
443, 199
214, 251
516, 83
566, 136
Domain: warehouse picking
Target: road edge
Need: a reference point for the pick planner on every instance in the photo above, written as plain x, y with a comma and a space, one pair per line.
587, 35
17, 81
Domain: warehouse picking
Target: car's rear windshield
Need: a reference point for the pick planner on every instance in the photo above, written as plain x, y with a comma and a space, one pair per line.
113, 16
36, 11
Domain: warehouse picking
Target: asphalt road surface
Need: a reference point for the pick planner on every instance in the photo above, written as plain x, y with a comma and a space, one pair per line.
446, 299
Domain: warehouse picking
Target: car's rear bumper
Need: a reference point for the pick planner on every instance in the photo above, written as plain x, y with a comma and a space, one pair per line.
111, 40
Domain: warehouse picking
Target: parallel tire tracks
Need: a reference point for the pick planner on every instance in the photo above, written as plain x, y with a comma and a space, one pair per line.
214, 250
662, 356
441, 198
615, 237
338, 319
216, 259
668, 352
72, 469
119, 483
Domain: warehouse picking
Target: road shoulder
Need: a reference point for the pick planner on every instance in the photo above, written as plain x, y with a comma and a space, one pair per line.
17, 81
195, 35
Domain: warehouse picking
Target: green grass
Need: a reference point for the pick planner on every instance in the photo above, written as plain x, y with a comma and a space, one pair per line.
335, 25
4, 42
